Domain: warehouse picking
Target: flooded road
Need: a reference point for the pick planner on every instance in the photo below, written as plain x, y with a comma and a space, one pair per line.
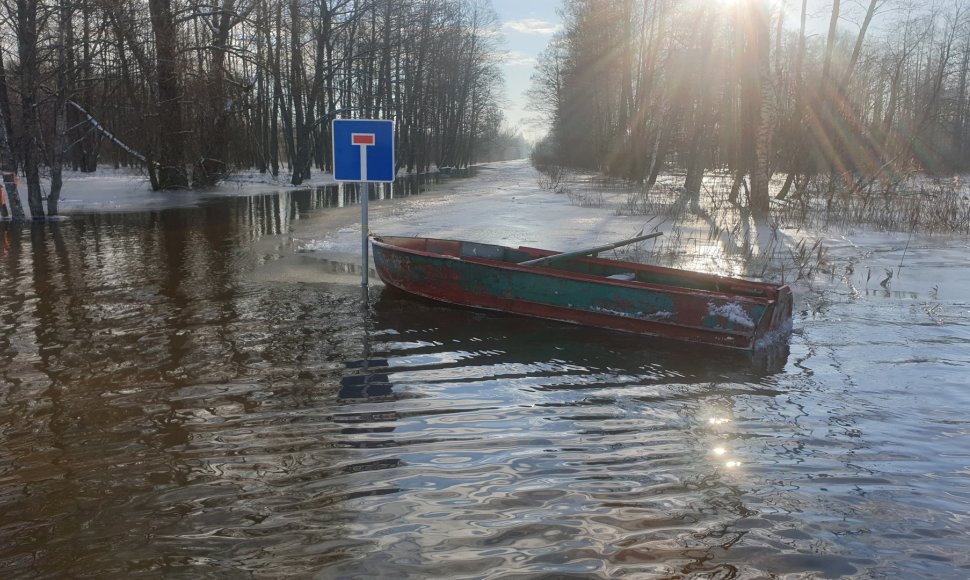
185, 393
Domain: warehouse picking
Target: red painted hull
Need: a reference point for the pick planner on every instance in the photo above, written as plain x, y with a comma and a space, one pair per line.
666, 302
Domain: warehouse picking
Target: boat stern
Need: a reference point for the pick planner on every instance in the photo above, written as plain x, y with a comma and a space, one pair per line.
776, 326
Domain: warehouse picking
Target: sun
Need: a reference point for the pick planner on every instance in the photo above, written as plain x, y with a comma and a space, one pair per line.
737, 4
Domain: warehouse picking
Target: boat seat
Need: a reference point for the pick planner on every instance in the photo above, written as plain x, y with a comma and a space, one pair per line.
487, 251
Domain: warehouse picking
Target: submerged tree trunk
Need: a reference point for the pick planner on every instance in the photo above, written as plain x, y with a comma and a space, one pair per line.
8, 164
213, 163
653, 168
783, 193
761, 172
273, 58
298, 159
59, 142
171, 138
26, 26
88, 146
797, 122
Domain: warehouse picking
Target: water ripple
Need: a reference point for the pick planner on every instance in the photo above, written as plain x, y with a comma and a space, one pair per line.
183, 417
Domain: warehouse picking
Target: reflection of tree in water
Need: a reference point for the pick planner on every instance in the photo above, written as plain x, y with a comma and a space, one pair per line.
144, 372
197, 420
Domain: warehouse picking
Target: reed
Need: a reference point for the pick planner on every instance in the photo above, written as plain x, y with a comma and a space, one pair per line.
709, 231
552, 177
914, 204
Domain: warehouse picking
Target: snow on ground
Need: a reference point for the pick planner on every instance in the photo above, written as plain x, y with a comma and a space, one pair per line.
128, 189
502, 204
505, 204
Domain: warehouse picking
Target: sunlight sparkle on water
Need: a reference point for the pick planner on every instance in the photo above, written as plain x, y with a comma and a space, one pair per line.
713, 259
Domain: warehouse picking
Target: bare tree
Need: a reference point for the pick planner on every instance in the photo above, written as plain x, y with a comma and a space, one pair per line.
713, 85
191, 90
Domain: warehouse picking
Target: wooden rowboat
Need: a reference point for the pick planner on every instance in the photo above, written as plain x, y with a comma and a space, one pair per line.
581, 289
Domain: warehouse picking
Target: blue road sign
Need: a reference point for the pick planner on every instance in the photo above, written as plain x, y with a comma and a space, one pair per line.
363, 150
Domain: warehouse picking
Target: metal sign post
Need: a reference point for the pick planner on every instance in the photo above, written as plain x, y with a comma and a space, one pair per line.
363, 151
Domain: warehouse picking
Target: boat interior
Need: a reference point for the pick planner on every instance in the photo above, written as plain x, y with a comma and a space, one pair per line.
590, 266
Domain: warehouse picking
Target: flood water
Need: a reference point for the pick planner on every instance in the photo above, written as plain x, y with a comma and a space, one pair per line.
172, 402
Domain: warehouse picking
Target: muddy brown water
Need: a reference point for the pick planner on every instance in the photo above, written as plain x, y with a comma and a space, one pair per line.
169, 409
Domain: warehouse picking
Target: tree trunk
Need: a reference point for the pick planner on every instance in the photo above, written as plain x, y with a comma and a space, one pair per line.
860, 39
277, 98
761, 172
87, 145
783, 193
798, 115
959, 129
299, 159
213, 165
59, 142
262, 108
171, 138
26, 26
696, 158
830, 40
8, 164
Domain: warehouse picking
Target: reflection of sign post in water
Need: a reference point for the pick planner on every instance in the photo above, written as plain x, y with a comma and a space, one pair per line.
363, 151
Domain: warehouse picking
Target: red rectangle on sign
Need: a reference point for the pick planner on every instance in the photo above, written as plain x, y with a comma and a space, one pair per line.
362, 139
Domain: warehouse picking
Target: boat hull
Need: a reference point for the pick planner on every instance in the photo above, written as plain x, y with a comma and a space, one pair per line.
487, 276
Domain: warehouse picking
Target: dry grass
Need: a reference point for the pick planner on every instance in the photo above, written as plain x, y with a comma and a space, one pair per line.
915, 204
706, 231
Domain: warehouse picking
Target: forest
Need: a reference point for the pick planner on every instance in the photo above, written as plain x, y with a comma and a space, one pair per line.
860, 93
191, 90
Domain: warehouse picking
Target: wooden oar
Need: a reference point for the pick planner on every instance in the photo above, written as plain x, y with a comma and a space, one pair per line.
596, 250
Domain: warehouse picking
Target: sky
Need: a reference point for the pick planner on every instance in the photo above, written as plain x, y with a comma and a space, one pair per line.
526, 27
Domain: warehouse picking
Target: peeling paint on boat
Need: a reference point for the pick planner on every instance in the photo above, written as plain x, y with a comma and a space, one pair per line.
662, 315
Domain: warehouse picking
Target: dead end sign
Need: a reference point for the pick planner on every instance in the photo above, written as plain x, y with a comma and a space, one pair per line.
363, 150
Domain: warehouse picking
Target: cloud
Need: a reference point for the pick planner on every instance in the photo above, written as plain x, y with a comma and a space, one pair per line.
532, 26
516, 58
